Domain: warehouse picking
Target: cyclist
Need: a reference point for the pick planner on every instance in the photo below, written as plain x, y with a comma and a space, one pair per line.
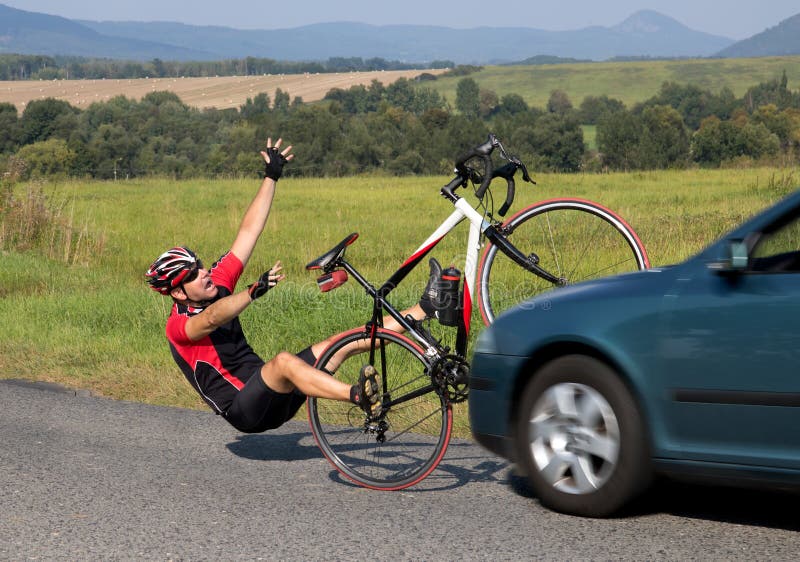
206, 337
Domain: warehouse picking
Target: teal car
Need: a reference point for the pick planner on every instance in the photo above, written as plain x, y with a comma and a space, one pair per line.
690, 370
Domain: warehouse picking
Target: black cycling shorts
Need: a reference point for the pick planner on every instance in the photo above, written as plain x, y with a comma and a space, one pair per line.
258, 408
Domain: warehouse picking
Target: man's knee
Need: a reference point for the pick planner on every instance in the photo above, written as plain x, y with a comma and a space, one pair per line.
278, 373
286, 362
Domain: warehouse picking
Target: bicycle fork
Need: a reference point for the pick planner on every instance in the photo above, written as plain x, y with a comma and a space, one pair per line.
530, 263
499, 239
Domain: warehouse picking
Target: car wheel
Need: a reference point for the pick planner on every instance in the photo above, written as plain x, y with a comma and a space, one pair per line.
580, 438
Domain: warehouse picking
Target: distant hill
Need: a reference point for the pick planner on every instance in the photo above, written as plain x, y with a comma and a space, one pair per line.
783, 39
644, 34
547, 59
41, 34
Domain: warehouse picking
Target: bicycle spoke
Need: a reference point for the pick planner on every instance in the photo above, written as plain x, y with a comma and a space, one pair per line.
571, 237
400, 434
552, 243
586, 246
599, 272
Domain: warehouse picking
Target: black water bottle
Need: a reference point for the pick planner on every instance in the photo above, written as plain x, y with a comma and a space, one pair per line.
447, 303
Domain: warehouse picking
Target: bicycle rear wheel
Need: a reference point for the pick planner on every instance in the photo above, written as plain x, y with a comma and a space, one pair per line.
573, 238
409, 440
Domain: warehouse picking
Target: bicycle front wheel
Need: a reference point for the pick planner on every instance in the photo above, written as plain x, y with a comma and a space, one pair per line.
410, 439
573, 239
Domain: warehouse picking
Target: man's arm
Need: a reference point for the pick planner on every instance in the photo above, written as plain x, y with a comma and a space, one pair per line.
216, 314
227, 308
255, 218
254, 221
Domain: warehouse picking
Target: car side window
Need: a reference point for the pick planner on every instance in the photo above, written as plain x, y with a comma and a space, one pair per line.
778, 251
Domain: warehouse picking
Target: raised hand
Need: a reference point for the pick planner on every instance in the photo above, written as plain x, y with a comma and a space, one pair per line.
275, 158
267, 280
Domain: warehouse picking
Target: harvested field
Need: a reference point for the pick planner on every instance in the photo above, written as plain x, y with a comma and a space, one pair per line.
221, 92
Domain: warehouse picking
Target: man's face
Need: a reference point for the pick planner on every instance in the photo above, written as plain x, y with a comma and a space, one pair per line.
201, 287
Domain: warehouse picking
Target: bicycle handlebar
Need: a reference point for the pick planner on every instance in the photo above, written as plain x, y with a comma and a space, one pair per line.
484, 152
507, 173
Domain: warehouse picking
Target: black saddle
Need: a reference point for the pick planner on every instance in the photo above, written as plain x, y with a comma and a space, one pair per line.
332, 256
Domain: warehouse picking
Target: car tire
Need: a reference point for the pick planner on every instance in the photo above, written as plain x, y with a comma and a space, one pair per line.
580, 438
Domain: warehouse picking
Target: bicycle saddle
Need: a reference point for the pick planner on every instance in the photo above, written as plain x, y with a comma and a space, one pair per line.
332, 256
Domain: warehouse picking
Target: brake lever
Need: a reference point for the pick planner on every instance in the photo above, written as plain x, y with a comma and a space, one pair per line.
525, 175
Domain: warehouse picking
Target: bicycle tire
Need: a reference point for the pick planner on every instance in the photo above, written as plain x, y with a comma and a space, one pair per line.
573, 238
418, 430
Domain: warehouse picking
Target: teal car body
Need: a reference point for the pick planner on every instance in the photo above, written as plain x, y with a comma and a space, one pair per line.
708, 348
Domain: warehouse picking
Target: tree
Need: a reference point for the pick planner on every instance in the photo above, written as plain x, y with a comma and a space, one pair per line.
39, 121
773, 92
159, 69
426, 99
9, 131
512, 104
664, 142
434, 119
162, 98
756, 141
255, 107
113, 151
594, 108
489, 103
401, 94
718, 141
282, 101
778, 122
559, 103
710, 140
558, 139
618, 139
794, 117
468, 100
48, 158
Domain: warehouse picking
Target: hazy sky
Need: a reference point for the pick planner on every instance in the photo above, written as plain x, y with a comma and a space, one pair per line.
730, 18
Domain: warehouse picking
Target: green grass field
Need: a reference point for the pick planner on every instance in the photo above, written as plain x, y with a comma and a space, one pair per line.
95, 325
630, 82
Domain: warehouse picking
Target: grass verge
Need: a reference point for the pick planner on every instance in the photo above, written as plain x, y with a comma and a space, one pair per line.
93, 324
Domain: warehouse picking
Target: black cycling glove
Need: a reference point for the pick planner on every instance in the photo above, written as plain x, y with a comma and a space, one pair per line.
260, 287
274, 168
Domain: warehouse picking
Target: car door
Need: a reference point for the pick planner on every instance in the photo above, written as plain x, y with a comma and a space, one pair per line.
730, 356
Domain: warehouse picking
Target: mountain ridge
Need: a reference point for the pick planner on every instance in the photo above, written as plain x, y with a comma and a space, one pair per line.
24, 32
644, 34
423, 43
782, 39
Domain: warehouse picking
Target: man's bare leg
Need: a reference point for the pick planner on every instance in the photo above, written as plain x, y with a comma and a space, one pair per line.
362, 346
286, 372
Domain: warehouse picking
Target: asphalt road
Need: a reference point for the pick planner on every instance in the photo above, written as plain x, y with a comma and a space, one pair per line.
88, 478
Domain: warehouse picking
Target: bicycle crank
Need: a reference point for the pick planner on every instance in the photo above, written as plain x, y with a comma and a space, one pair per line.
450, 375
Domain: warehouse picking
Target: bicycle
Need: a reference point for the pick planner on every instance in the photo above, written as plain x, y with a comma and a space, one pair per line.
421, 377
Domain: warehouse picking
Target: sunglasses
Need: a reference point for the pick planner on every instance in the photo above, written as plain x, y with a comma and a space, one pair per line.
192, 275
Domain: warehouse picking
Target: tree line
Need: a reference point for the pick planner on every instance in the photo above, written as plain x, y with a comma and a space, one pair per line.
41, 67
684, 125
402, 128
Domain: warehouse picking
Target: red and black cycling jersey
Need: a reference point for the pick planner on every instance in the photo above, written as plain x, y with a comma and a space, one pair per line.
220, 364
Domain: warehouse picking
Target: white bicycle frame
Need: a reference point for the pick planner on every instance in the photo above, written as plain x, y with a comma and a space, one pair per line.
478, 225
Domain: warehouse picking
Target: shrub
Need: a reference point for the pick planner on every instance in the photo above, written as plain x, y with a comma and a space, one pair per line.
32, 222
